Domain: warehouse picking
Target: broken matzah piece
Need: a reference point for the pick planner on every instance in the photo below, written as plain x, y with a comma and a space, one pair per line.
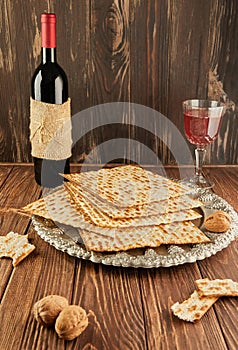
217, 287
15, 246
194, 308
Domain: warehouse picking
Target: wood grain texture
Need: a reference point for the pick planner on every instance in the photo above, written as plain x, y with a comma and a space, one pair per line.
225, 183
219, 265
107, 74
112, 297
153, 53
167, 330
223, 62
14, 195
149, 57
4, 173
127, 308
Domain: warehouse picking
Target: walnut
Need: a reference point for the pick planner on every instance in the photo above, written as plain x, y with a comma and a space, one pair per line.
71, 322
46, 310
217, 222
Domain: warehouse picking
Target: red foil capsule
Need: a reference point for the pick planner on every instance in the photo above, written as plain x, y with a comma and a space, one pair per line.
48, 30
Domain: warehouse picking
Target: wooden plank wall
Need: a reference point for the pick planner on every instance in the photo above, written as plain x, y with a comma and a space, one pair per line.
153, 53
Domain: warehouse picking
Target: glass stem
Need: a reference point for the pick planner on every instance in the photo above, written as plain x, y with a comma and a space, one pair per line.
199, 158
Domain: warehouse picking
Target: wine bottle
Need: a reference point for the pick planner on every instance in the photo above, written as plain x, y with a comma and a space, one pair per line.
50, 125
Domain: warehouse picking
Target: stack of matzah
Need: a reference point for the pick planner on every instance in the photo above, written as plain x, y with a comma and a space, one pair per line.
123, 208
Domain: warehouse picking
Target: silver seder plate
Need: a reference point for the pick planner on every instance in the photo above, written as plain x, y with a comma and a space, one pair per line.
163, 256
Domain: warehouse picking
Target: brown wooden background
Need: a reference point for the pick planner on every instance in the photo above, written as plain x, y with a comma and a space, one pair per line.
155, 53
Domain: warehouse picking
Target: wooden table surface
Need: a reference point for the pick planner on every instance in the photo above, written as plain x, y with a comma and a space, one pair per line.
128, 308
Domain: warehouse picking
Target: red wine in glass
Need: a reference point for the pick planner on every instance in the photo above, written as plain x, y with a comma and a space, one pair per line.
202, 120
201, 129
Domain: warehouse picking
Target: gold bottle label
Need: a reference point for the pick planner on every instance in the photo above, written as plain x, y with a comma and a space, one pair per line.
50, 130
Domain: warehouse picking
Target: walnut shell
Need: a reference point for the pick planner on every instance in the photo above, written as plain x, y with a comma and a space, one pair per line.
217, 222
71, 322
47, 309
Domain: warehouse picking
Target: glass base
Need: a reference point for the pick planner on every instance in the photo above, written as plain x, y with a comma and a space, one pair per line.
197, 184
200, 182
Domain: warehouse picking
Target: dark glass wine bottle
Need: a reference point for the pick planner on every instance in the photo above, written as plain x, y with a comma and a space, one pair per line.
49, 85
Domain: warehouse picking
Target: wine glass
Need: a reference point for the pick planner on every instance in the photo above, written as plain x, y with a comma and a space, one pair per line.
202, 120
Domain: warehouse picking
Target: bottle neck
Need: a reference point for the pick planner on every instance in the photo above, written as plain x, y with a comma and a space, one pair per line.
48, 54
48, 37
